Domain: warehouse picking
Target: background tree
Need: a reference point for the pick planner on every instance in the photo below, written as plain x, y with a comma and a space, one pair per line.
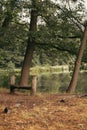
11, 43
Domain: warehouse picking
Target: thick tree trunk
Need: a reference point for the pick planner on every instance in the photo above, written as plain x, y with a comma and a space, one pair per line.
26, 65
29, 51
74, 79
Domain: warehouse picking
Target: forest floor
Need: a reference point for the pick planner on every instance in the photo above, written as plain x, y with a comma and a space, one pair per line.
42, 112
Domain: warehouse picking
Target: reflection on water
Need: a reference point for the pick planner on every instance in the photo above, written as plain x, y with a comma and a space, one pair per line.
53, 82
57, 83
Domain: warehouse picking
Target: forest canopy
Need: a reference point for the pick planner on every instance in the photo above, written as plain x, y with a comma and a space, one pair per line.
60, 27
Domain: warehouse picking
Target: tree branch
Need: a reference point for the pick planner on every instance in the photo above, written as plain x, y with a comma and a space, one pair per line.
73, 18
72, 52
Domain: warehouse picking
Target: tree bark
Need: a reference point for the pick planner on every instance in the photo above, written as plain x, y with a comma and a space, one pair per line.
29, 51
74, 79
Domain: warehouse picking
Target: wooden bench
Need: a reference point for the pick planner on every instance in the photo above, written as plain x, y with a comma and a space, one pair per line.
32, 88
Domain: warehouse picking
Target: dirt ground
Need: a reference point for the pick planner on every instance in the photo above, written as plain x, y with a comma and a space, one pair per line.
42, 112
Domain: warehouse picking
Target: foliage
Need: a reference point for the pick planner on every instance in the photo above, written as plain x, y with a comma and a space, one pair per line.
53, 29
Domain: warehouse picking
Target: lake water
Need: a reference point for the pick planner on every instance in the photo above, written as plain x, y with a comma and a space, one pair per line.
53, 83
58, 83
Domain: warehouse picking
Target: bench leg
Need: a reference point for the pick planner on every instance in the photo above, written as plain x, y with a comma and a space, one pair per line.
12, 89
34, 82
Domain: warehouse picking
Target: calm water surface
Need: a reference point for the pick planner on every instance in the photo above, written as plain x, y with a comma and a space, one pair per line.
57, 83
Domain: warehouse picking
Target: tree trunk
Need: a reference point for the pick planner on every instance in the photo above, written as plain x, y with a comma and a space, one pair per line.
29, 50
74, 79
9, 14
